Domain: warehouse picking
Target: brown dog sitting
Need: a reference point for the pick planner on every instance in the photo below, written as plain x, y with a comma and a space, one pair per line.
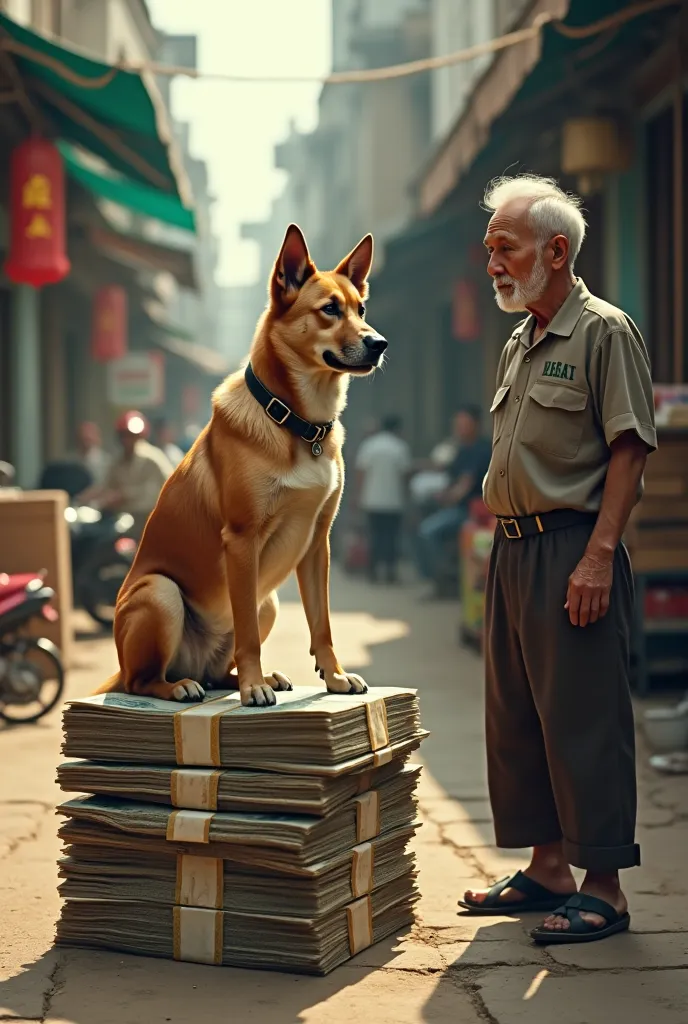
254, 499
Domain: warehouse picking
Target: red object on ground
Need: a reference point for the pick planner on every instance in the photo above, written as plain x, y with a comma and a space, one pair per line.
37, 254
109, 328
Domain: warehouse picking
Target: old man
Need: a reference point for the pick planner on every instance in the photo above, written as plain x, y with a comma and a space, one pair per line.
573, 422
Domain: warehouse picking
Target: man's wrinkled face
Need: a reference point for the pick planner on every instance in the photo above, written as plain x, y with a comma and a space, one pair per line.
516, 258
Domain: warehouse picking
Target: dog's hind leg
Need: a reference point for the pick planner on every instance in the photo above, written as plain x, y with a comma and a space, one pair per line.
267, 614
149, 630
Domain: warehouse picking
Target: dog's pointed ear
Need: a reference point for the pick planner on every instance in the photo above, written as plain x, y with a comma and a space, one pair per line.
292, 268
356, 266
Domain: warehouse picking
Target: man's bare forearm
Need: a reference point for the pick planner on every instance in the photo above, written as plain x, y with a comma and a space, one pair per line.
629, 454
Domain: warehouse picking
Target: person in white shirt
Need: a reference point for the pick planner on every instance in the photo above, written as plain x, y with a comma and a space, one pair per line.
91, 453
136, 477
164, 439
383, 463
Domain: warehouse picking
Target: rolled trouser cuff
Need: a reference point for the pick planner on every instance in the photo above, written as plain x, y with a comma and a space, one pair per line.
520, 836
602, 859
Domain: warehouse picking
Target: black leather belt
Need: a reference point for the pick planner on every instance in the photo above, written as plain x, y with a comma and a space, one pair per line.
530, 526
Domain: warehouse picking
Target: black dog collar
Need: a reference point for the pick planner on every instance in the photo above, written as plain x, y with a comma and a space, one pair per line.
280, 413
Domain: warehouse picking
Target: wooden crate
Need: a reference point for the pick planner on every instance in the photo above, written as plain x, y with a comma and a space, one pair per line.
34, 535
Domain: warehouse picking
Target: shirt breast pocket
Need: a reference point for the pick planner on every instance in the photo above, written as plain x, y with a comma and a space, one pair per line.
498, 410
554, 419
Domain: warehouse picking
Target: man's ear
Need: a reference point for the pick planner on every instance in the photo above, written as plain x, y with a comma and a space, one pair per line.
356, 266
292, 268
560, 251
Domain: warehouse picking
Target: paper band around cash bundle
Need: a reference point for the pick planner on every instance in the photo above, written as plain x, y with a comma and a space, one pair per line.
189, 827
367, 816
197, 935
197, 731
362, 870
383, 756
200, 882
365, 781
194, 788
376, 715
360, 921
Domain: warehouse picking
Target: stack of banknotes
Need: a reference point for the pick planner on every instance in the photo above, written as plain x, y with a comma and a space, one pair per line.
272, 838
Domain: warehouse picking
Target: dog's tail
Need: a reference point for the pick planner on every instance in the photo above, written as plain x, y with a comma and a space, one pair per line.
112, 685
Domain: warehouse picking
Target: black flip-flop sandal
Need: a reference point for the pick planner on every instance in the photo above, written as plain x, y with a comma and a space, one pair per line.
537, 900
580, 930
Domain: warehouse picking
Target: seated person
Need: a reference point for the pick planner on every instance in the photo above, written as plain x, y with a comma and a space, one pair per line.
466, 474
136, 477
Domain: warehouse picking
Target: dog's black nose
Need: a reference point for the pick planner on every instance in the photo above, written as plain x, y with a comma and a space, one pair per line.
375, 344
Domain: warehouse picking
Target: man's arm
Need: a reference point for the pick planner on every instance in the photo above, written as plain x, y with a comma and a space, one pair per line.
590, 584
459, 490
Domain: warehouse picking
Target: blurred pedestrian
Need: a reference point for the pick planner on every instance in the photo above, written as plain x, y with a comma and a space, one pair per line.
382, 466
7, 475
164, 437
90, 451
465, 475
136, 477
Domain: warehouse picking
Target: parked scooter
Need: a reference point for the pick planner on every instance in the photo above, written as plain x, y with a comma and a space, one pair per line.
102, 553
31, 673
102, 547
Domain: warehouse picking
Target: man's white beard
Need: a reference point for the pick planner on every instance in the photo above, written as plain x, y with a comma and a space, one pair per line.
524, 293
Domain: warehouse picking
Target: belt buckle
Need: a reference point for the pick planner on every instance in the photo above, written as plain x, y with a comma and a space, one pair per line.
506, 523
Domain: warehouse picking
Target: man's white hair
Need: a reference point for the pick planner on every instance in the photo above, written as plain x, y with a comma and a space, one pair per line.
552, 211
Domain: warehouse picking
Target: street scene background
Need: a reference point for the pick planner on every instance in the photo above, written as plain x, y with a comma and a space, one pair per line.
153, 155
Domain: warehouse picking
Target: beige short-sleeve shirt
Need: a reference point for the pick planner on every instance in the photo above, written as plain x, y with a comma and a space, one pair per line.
561, 402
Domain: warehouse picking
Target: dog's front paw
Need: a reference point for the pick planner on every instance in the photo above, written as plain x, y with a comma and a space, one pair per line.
345, 682
260, 695
278, 681
188, 690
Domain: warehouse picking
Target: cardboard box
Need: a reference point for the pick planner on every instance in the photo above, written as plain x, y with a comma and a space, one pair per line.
34, 535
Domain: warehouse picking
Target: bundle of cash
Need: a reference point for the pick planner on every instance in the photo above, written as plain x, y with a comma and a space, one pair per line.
272, 841
308, 731
200, 879
222, 789
313, 945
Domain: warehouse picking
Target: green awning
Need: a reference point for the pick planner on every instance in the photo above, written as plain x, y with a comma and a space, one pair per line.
140, 253
116, 114
147, 201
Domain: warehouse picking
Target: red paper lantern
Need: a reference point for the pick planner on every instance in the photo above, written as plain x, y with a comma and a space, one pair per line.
109, 326
37, 211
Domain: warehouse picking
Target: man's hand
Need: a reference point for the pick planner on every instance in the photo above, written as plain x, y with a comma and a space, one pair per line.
590, 584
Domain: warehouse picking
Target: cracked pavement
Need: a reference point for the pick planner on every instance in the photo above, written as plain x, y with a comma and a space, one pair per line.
450, 968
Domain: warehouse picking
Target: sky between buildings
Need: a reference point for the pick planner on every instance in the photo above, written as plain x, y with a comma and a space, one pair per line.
235, 126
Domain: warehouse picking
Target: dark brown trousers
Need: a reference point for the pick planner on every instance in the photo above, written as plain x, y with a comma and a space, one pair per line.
560, 735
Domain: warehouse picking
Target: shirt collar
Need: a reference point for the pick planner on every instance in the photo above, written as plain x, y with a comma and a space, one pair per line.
565, 319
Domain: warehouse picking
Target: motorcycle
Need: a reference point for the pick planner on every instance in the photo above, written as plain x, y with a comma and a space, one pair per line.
102, 553
31, 672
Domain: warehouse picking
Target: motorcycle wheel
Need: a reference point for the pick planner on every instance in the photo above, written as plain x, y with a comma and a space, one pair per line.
42, 658
104, 579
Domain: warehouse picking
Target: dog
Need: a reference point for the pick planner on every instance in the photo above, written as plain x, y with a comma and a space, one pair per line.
254, 499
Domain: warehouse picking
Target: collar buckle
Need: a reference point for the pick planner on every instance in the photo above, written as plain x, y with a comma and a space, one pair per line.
287, 411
